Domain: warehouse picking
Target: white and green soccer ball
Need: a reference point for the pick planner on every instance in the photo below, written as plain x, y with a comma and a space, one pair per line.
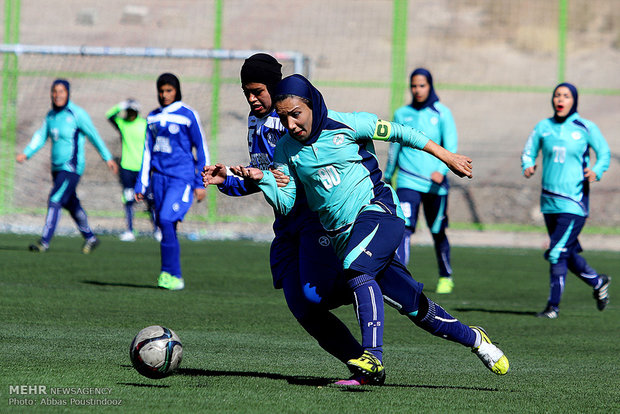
156, 352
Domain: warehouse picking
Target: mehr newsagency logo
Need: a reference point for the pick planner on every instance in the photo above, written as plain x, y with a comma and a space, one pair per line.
31, 395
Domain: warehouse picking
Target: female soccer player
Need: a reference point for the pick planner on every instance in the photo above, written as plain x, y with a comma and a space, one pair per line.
330, 155
66, 124
171, 171
565, 140
421, 177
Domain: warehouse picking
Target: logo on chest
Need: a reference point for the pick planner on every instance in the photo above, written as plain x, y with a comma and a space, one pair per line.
173, 128
576, 135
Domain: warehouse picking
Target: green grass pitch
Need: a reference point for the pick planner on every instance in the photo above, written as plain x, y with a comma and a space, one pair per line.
68, 320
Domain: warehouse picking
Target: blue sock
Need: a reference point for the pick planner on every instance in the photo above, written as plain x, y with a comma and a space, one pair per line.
129, 215
81, 219
440, 323
51, 221
557, 277
169, 249
579, 266
368, 302
442, 253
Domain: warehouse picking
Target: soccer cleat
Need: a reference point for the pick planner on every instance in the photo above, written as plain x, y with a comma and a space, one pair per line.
366, 370
170, 282
550, 312
489, 354
127, 236
38, 247
89, 245
601, 294
157, 235
444, 285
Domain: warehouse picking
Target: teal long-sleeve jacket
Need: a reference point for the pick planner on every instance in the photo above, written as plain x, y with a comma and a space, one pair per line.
68, 130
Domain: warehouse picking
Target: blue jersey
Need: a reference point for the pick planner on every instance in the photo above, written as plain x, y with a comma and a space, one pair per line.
565, 153
339, 171
263, 135
67, 128
416, 167
172, 133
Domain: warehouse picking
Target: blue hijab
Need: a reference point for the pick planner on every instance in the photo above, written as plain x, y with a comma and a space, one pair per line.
573, 91
299, 86
64, 83
432, 96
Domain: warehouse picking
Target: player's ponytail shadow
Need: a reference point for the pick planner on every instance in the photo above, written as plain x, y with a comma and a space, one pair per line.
118, 284
315, 381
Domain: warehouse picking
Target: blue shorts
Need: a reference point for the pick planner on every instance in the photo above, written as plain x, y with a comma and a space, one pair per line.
372, 241
172, 197
63, 191
435, 209
563, 230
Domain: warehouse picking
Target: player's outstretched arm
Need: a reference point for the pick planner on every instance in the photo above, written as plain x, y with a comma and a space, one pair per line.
460, 165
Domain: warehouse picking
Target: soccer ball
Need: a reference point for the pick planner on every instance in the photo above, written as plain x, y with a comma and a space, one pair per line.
156, 352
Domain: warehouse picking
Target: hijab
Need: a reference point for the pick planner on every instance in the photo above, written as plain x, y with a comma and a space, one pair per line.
261, 68
432, 96
573, 91
301, 87
67, 86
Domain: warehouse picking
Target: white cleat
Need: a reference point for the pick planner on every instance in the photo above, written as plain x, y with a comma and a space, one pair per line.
127, 236
492, 357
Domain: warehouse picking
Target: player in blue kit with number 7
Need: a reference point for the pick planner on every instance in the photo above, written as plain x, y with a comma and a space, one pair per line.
331, 155
172, 171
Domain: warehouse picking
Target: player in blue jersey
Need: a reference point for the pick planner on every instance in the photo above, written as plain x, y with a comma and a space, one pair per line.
421, 177
171, 171
303, 263
565, 141
330, 154
67, 125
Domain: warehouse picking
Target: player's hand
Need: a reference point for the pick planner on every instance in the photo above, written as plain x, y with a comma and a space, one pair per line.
200, 194
21, 158
214, 174
460, 165
139, 196
529, 171
589, 175
281, 179
113, 166
437, 177
247, 172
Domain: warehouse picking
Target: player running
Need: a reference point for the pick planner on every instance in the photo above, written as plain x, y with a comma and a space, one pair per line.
171, 172
565, 141
67, 125
330, 154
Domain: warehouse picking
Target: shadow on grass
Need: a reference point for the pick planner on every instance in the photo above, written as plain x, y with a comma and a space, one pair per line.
130, 285
314, 381
505, 312
136, 384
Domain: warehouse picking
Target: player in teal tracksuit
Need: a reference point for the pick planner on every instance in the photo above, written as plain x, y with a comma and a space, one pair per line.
421, 177
331, 155
67, 125
565, 141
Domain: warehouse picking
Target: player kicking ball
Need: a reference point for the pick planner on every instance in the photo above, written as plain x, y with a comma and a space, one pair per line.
330, 154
